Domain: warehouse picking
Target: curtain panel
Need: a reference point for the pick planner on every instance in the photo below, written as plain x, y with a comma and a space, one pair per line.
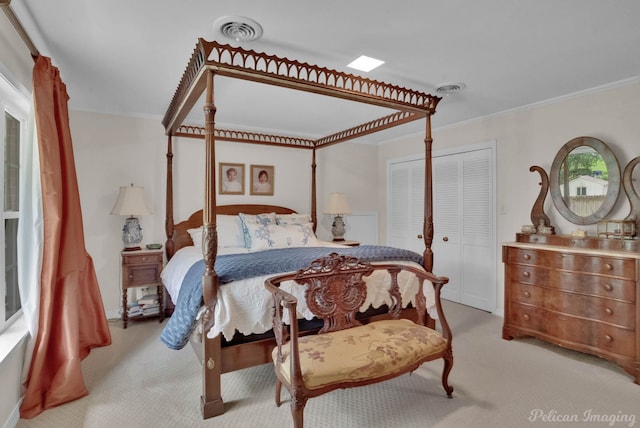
71, 317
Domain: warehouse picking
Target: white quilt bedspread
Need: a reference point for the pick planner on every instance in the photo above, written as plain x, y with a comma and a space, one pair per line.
246, 305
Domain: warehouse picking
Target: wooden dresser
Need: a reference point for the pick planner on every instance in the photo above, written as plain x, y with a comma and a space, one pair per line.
574, 295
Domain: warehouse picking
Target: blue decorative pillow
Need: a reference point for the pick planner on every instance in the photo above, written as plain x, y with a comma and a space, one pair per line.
293, 219
271, 236
254, 219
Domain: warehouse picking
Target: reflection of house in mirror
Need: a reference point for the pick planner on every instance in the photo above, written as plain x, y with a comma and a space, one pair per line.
588, 186
586, 194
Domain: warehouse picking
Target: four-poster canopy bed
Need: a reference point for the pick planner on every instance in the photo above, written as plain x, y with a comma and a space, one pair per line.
209, 60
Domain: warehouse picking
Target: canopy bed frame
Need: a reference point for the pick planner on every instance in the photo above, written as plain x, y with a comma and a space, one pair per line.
211, 59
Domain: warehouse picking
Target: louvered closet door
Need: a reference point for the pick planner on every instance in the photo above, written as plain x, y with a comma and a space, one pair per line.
464, 242
464, 226
405, 207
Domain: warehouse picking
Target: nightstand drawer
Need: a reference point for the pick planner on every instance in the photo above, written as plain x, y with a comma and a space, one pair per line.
133, 259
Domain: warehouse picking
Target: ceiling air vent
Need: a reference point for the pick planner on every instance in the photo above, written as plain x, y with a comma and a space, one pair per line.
238, 28
449, 88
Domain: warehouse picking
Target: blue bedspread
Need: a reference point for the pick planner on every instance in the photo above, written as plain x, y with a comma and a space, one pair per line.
234, 267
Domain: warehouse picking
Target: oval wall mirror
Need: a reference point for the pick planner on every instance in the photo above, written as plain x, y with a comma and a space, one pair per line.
584, 180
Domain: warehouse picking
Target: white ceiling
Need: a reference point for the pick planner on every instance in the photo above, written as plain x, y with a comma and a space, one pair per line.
126, 57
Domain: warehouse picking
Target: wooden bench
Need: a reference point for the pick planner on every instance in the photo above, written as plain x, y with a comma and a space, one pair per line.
345, 353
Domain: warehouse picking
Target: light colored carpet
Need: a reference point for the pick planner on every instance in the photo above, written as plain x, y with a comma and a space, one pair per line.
138, 382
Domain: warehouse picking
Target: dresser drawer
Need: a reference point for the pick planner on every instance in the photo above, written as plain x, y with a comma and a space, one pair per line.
574, 332
610, 266
608, 311
584, 283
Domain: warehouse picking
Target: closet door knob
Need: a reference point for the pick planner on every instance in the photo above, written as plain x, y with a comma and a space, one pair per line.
419, 236
445, 238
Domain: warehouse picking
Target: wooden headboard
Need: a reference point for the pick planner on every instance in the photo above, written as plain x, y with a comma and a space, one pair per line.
181, 237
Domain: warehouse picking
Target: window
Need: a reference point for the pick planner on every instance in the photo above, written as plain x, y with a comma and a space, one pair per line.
12, 127
581, 191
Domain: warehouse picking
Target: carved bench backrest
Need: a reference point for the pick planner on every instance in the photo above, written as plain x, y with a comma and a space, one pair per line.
335, 290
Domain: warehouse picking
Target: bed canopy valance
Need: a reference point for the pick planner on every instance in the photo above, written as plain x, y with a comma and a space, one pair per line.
226, 60
211, 59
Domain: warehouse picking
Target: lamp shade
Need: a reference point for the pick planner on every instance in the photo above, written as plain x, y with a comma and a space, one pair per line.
337, 204
131, 202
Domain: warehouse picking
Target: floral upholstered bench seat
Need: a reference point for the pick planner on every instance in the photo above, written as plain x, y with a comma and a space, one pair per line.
345, 353
381, 349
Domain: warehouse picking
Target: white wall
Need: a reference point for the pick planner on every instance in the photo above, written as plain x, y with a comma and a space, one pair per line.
532, 136
349, 168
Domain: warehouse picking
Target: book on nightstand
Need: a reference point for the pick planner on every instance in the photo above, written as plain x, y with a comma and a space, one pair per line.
149, 299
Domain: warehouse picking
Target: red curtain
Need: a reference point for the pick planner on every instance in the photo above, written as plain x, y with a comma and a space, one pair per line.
72, 320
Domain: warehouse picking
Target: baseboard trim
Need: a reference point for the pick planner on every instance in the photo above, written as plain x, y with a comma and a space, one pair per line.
14, 417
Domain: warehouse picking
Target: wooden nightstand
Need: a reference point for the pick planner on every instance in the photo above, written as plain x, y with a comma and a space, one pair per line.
141, 269
349, 243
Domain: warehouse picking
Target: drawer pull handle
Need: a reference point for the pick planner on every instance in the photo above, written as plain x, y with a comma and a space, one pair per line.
526, 274
526, 257
608, 287
608, 338
131, 276
608, 311
608, 266
527, 294
526, 317
144, 259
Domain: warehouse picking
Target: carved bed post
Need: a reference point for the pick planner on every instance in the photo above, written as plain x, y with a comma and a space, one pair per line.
211, 400
168, 222
427, 228
314, 217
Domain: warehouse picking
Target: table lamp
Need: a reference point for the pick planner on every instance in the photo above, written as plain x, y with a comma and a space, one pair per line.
338, 206
131, 203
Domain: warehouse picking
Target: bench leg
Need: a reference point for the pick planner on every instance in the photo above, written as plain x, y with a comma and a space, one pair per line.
297, 409
278, 391
448, 365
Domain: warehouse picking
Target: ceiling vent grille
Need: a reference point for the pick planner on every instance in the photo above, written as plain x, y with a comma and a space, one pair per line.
238, 28
449, 88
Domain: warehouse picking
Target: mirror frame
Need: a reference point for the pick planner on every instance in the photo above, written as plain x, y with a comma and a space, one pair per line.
632, 193
613, 171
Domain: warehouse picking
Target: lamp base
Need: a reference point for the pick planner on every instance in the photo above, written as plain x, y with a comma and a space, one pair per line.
337, 229
132, 234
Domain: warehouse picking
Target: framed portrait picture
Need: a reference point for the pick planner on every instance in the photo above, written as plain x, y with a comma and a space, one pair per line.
231, 178
262, 179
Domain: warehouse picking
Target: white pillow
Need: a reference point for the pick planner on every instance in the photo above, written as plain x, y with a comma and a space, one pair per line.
230, 233
293, 218
196, 236
271, 236
253, 219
